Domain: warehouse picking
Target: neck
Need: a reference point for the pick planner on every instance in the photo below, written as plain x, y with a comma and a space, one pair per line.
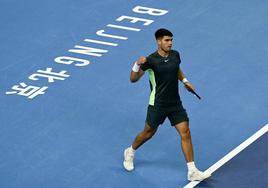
162, 52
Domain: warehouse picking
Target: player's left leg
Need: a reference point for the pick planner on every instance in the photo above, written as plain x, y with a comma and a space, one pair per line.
186, 144
186, 141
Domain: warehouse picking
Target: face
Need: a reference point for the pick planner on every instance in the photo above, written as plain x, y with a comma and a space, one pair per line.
165, 43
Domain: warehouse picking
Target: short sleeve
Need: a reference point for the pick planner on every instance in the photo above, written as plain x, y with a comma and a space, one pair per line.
178, 56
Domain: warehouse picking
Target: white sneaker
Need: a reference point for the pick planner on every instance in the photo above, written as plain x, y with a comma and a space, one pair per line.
128, 160
197, 175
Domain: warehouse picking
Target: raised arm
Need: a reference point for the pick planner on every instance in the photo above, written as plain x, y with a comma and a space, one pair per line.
136, 72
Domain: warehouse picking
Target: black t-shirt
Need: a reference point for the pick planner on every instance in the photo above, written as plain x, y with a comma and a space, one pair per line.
163, 74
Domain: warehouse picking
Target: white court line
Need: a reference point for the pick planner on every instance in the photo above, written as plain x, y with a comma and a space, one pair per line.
233, 153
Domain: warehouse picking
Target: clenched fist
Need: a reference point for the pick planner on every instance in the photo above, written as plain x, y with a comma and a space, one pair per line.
141, 60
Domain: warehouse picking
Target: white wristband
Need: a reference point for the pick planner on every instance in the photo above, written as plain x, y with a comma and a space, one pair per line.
136, 67
184, 80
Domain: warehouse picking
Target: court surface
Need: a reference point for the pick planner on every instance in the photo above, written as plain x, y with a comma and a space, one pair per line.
67, 115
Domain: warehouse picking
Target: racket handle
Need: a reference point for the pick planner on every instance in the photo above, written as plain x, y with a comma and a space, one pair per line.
192, 91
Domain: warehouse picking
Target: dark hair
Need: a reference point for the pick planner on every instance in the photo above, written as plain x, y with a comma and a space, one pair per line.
162, 32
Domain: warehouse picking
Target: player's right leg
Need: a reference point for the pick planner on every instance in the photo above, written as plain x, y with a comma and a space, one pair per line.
143, 136
155, 117
140, 139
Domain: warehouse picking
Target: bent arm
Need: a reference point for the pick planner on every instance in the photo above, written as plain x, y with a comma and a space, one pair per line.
136, 72
135, 76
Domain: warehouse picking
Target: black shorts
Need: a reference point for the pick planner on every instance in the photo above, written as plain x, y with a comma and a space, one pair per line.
157, 115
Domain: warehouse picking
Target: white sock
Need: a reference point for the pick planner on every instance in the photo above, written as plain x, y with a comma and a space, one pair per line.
191, 166
131, 149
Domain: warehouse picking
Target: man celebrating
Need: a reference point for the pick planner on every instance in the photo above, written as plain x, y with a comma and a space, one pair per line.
164, 71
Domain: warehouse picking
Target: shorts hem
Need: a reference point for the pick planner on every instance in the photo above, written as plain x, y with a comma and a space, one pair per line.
180, 121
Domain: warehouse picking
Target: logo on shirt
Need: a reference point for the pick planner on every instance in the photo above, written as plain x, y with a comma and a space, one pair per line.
166, 60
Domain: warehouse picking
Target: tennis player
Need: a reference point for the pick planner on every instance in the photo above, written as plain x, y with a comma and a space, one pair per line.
164, 71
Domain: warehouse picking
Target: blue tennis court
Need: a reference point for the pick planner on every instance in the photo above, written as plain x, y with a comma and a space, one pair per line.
249, 167
68, 109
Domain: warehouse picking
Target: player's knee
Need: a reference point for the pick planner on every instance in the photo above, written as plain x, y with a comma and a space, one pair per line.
185, 134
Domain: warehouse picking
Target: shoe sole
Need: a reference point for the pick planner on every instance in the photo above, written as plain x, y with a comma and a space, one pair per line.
200, 179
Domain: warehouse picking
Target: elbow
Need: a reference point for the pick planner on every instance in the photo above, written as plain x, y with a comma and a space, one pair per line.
134, 77
132, 80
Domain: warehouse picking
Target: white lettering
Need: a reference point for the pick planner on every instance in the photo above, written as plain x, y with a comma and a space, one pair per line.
135, 19
101, 33
150, 11
49, 75
88, 50
69, 60
123, 27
